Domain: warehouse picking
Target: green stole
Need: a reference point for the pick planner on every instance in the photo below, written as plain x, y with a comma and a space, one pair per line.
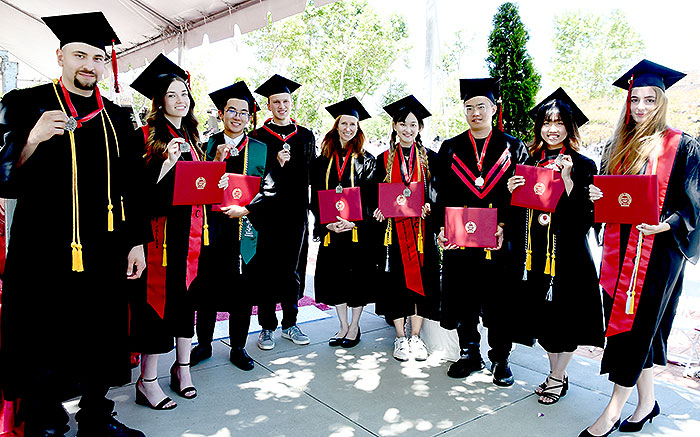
253, 165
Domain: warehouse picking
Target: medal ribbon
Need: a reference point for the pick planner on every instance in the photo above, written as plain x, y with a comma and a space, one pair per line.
197, 223
461, 169
624, 284
543, 163
408, 229
407, 173
480, 159
74, 113
278, 136
340, 169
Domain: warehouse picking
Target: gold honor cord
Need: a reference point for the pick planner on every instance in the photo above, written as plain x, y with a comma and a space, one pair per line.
116, 142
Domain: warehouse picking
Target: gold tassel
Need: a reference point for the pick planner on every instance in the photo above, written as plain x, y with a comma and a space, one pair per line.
420, 235
548, 265
74, 255
123, 213
79, 258
327, 239
488, 253
354, 235
205, 233
630, 303
528, 260
110, 218
554, 260
165, 245
387, 234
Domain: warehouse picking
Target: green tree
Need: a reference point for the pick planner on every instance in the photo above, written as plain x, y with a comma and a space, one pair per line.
448, 119
336, 51
591, 51
509, 61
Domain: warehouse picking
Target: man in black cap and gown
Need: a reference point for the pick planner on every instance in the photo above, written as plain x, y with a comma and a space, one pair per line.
290, 150
68, 157
472, 170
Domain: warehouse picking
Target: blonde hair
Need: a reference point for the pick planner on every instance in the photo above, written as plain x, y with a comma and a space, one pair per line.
632, 143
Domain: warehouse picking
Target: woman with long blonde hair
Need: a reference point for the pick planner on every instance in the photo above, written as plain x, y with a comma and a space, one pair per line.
643, 265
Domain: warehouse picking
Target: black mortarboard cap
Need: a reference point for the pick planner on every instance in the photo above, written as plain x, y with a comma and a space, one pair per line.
277, 85
238, 90
90, 28
156, 75
647, 73
350, 106
579, 117
410, 103
486, 87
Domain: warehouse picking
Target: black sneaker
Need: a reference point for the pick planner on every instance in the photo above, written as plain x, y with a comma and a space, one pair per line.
502, 376
465, 366
200, 353
111, 428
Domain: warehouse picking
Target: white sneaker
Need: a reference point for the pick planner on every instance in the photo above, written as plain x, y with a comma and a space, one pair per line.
417, 348
401, 349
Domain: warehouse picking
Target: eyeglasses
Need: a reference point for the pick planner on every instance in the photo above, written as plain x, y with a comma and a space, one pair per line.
234, 113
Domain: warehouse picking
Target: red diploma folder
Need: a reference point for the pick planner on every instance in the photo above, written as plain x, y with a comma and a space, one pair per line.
542, 190
471, 227
630, 199
347, 205
197, 182
394, 203
240, 191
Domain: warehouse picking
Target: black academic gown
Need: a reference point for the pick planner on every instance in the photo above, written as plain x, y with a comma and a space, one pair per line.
471, 283
227, 283
394, 299
574, 315
52, 317
289, 248
149, 333
627, 354
346, 270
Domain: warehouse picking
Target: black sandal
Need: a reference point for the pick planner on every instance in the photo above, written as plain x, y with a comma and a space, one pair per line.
554, 397
141, 398
542, 386
185, 392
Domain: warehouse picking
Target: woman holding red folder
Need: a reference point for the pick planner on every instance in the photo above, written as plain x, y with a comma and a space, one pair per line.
410, 282
344, 265
642, 266
162, 304
559, 276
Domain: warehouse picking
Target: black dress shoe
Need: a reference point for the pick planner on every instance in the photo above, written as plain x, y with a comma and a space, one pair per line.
502, 375
627, 426
348, 343
240, 358
465, 366
200, 353
111, 428
335, 341
586, 433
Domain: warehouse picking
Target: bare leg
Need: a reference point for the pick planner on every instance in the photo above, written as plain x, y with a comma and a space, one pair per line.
400, 325
149, 371
416, 324
354, 328
645, 390
182, 351
612, 411
559, 362
342, 311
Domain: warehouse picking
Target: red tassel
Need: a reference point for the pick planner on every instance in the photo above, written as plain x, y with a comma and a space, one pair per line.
500, 114
115, 69
629, 100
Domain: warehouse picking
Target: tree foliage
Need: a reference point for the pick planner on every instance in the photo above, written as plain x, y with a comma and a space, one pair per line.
448, 118
336, 51
509, 61
591, 51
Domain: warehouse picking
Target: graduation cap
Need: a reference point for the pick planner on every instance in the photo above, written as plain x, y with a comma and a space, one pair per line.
90, 28
157, 75
350, 106
409, 103
277, 85
647, 73
486, 87
238, 90
579, 117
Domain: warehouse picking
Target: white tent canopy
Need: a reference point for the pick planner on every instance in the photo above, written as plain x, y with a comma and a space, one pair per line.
145, 27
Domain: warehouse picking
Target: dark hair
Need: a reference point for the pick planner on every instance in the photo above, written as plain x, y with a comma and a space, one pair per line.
400, 116
252, 110
331, 142
552, 110
158, 136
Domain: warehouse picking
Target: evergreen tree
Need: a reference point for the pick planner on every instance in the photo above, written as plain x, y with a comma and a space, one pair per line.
509, 61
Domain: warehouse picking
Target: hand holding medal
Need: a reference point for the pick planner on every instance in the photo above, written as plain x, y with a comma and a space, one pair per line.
222, 152
49, 124
284, 155
174, 149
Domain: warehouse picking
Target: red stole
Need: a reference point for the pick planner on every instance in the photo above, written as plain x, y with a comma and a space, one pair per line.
155, 283
625, 285
407, 229
491, 179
